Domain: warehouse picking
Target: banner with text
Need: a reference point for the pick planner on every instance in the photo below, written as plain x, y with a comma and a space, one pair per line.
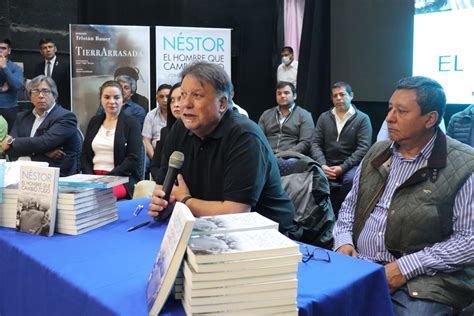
102, 52
176, 47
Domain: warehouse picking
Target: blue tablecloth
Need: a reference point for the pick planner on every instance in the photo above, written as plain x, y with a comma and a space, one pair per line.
104, 272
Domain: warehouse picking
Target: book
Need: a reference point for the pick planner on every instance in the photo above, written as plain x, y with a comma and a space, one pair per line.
169, 258
92, 222
264, 303
37, 198
241, 289
239, 245
232, 223
76, 231
289, 310
193, 276
246, 263
240, 298
92, 181
65, 220
76, 194
12, 170
93, 202
234, 281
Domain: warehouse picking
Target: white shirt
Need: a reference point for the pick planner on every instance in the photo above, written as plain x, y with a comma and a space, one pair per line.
39, 119
240, 110
340, 122
154, 122
288, 73
53, 62
103, 147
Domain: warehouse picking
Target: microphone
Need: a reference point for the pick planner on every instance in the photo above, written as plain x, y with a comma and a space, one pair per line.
175, 163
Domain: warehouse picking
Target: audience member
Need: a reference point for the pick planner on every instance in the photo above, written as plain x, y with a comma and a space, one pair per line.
113, 144
461, 126
410, 207
57, 68
129, 86
155, 120
383, 132
288, 69
236, 106
173, 114
229, 166
135, 74
47, 133
288, 127
11, 81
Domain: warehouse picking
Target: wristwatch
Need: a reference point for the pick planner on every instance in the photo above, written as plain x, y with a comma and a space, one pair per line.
10, 140
185, 199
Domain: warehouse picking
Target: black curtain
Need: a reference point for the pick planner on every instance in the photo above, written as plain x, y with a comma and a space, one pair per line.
314, 60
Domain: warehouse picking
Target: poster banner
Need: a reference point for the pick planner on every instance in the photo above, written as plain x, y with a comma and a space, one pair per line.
176, 47
102, 52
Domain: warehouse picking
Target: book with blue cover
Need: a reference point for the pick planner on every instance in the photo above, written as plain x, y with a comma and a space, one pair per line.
92, 181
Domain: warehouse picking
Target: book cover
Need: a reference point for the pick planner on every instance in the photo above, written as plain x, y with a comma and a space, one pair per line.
246, 263
37, 198
239, 245
169, 258
92, 181
231, 223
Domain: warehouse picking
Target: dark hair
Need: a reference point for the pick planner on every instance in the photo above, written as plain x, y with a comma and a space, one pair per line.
170, 119
342, 84
36, 81
287, 48
110, 83
163, 86
7, 41
214, 74
430, 94
45, 41
282, 84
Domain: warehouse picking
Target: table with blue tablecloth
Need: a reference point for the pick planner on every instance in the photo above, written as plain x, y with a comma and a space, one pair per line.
105, 272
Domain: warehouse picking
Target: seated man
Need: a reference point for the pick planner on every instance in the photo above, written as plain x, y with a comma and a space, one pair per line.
342, 137
288, 69
383, 131
288, 127
229, 166
129, 86
461, 126
48, 133
155, 120
410, 207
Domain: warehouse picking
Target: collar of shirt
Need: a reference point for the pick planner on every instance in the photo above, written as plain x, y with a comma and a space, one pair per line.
281, 118
424, 154
45, 112
340, 122
53, 61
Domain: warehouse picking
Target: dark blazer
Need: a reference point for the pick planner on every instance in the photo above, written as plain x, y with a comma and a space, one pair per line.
57, 131
62, 76
128, 149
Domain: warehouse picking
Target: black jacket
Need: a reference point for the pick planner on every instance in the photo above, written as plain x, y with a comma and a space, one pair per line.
128, 149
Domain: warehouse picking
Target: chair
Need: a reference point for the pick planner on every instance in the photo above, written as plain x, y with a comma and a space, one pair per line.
308, 188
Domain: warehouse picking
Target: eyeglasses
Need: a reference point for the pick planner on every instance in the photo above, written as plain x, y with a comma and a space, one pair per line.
37, 92
312, 255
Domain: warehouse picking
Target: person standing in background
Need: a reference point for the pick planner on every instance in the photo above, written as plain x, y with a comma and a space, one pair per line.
288, 69
56, 68
11, 80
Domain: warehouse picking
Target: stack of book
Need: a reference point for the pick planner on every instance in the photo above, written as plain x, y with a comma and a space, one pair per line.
8, 208
82, 209
242, 265
86, 202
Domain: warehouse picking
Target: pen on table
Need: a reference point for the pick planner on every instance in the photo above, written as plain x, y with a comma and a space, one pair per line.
131, 229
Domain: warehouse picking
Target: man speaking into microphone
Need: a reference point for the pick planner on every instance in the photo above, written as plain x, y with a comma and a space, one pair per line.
229, 166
